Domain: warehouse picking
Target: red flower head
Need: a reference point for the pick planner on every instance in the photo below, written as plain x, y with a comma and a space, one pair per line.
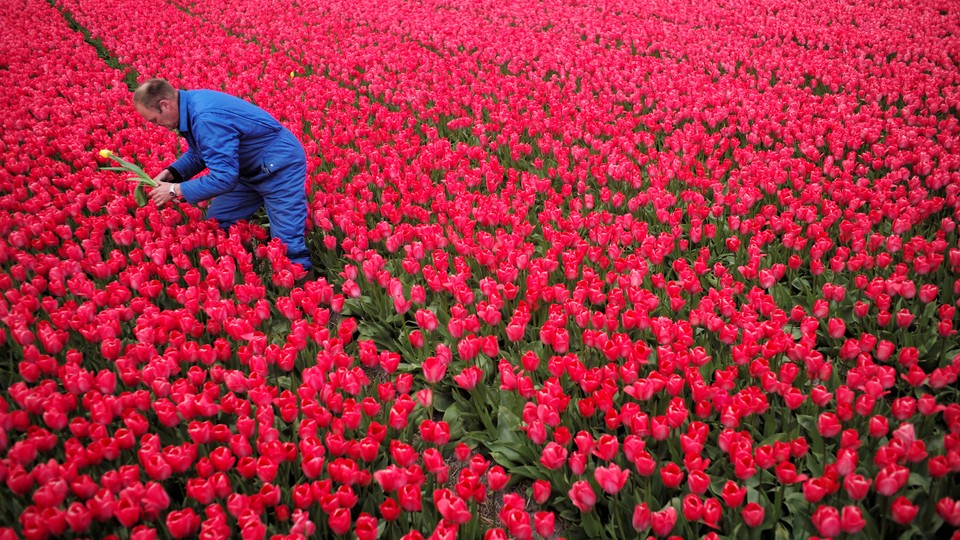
451, 507
427, 320
663, 521
409, 497
692, 507
827, 521
583, 496
541, 491
949, 510
890, 479
544, 523
611, 478
434, 369
752, 514
671, 475
903, 511
851, 519
183, 523
732, 494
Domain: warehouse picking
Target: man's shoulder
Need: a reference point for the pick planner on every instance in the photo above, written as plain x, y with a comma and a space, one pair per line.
211, 106
212, 98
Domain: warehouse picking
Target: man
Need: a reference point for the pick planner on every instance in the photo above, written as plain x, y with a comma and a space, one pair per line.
253, 161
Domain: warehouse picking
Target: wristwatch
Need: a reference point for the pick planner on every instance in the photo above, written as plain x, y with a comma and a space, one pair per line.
173, 190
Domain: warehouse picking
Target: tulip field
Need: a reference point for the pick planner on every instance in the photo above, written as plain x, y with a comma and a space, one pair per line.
586, 270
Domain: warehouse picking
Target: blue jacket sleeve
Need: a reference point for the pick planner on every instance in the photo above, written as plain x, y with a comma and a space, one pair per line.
189, 165
219, 144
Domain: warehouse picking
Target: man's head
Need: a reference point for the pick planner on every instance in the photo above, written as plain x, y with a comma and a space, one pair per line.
158, 103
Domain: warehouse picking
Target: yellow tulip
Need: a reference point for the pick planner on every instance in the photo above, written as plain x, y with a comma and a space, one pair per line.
105, 153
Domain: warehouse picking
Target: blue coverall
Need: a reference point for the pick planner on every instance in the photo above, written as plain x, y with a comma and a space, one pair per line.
253, 161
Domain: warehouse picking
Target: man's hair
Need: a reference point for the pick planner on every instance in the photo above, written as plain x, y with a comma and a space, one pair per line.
149, 94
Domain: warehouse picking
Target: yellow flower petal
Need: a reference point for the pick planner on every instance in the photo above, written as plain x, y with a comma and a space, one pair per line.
105, 153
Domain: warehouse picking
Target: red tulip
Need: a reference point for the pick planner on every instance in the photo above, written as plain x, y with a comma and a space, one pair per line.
409, 498
611, 479
390, 510
698, 481
451, 507
752, 514
340, 521
583, 496
606, 447
827, 521
949, 510
836, 328
544, 523
890, 479
851, 520
366, 527
127, 511
671, 475
692, 507
416, 339
663, 521
427, 320
468, 378
434, 369
497, 478
903, 318
182, 523
541, 491
553, 456
828, 425
903, 511
732, 494
390, 479
78, 517
517, 522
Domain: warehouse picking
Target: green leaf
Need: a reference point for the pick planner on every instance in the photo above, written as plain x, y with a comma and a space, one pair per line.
592, 524
454, 419
484, 415
919, 480
612, 531
530, 471
506, 455
441, 401
140, 175
796, 503
129, 166
140, 195
870, 530
809, 424
508, 424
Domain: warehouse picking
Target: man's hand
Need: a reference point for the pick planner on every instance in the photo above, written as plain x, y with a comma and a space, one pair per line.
164, 176
164, 192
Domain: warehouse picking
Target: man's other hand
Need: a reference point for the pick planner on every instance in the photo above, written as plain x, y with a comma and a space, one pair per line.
164, 193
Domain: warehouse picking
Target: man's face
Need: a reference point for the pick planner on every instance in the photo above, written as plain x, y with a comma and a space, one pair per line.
167, 116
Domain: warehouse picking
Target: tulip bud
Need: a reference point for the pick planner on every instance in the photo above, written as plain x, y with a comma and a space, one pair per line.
752, 514
903, 510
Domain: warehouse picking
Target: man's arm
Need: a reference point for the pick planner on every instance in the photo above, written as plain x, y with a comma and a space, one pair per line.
220, 144
189, 165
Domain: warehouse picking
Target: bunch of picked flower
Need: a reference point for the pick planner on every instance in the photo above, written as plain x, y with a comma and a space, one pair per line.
142, 178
